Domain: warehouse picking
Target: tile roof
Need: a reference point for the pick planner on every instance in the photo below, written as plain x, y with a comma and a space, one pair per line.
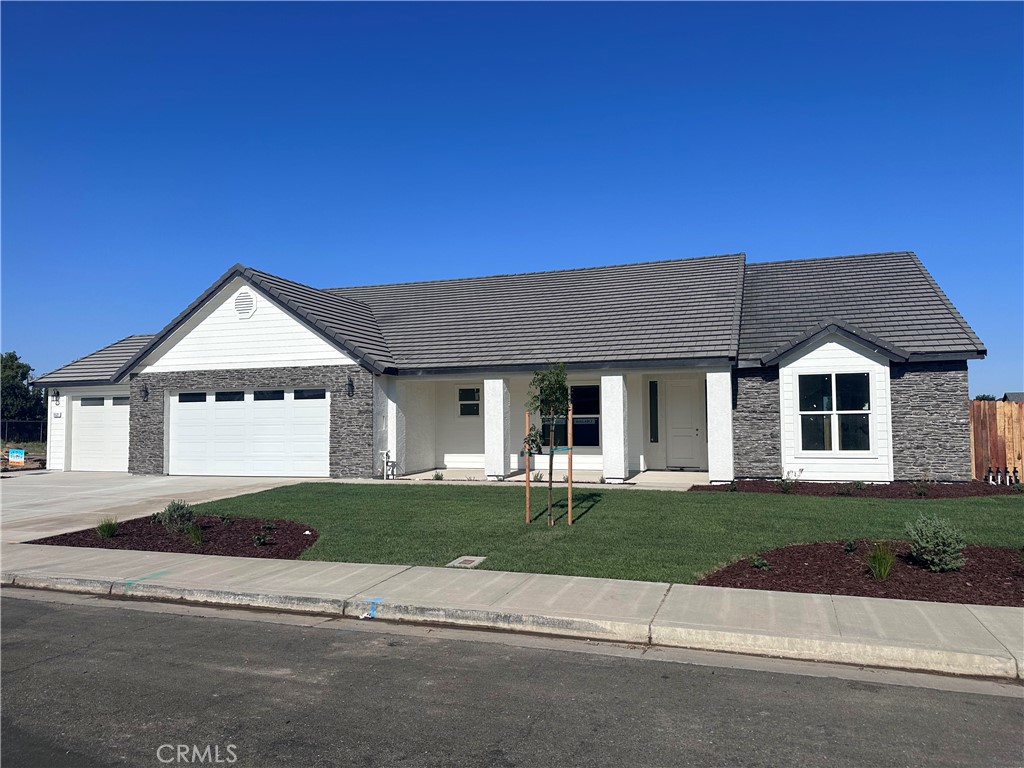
684, 310
889, 295
99, 367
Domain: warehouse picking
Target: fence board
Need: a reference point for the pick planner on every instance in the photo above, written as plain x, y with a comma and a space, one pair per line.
997, 437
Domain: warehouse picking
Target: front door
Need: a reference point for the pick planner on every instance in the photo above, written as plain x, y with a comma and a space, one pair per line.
687, 443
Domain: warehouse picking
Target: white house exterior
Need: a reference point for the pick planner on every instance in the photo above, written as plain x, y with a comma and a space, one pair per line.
710, 364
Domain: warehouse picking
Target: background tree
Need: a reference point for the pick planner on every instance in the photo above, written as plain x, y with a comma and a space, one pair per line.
984, 397
18, 401
549, 396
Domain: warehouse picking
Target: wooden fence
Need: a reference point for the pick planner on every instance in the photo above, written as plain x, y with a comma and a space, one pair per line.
997, 437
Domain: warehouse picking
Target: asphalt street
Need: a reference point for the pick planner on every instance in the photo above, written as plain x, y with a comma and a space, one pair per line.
92, 682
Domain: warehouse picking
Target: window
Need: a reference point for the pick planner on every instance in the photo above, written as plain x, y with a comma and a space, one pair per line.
586, 419
652, 402
835, 412
469, 401
192, 397
310, 394
92, 401
262, 395
121, 400
229, 397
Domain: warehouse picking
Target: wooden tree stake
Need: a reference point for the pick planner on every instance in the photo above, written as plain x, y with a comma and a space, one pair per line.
569, 427
526, 461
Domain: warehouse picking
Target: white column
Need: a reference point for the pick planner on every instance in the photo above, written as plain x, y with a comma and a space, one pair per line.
720, 457
388, 423
497, 428
614, 441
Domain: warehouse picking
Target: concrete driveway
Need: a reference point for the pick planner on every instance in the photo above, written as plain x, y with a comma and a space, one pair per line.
33, 505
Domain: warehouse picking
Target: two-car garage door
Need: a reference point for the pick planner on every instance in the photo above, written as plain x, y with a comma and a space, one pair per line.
268, 432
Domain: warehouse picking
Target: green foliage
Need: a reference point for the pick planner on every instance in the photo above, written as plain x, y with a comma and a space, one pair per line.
18, 401
261, 539
760, 563
733, 488
985, 397
850, 546
881, 559
107, 528
920, 489
224, 519
602, 479
439, 475
532, 444
538, 476
177, 517
268, 526
787, 483
548, 393
936, 543
195, 534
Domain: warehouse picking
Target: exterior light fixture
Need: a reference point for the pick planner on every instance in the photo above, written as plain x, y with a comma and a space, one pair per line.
350, 387
145, 393
56, 397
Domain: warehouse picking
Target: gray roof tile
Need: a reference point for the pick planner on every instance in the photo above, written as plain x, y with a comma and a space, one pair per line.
99, 367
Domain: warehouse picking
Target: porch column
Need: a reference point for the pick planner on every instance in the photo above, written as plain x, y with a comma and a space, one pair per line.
614, 446
388, 424
720, 456
497, 428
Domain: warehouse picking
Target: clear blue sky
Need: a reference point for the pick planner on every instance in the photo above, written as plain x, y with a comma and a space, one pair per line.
147, 147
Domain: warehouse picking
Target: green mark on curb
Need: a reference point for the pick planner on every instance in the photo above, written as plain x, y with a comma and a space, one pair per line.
129, 583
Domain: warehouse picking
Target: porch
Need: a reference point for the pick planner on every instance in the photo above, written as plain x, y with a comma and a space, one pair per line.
675, 480
624, 425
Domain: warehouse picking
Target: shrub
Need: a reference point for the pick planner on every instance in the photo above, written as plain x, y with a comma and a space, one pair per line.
177, 517
787, 483
195, 534
759, 563
850, 546
224, 519
538, 476
439, 475
602, 479
733, 488
260, 539
936, 543
881, 559
107, 528
268, 526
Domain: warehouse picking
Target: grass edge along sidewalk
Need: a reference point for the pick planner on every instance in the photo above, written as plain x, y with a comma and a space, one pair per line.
673, 537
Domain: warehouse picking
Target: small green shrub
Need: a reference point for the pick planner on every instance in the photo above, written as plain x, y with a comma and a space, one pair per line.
565, 478
107, 528
260, 539
177, 517
881, 559
1018, 487
224, 519
787, 483
195, 535
268, 527
538, 476
438, 476
920, 489
760, 563
850, 546
845, 489
733, 488
936, 543
859, 485
602, 479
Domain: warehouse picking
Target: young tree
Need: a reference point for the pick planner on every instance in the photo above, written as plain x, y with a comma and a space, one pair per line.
18, 401
549, 396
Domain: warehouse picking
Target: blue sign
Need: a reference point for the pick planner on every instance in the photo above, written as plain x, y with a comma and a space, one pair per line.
16, 456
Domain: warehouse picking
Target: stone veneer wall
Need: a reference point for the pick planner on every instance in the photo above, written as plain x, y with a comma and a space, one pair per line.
756, 423
931, 426
351, 431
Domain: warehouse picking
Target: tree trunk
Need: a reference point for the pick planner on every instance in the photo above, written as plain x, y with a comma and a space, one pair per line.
551, 466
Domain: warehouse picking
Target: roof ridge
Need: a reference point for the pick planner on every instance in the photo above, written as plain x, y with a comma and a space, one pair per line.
261, 273
740, 254
830, 258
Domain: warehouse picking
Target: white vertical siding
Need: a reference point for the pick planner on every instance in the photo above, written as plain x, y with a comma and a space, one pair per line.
217, 338
837, 355
719, 430
57, 417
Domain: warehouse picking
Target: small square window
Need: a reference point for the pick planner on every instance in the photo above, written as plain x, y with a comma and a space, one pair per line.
262, 395
469, 409
229, 397
310, 394
469, 395
192, 397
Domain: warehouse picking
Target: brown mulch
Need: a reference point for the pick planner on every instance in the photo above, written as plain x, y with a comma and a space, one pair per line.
286, 541
897, 490
991, 575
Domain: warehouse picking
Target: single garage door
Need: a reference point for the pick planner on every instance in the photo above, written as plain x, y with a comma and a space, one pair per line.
252, 433
99, 433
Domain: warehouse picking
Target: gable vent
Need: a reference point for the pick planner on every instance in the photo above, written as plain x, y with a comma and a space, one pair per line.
245, 304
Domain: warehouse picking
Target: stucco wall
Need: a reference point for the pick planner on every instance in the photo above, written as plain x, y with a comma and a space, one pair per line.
756, 423
351, 429
930, 421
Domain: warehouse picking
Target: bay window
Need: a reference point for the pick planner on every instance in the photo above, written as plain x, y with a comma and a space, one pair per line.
835, 412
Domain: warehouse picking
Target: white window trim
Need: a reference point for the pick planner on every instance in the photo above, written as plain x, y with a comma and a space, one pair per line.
479, 401
835, 452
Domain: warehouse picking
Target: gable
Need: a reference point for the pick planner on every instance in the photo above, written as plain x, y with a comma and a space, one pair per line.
227, 333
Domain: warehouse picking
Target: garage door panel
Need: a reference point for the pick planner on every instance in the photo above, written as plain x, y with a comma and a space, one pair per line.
249, 437
99, 434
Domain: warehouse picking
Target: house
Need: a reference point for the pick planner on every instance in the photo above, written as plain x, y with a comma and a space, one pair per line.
845, 368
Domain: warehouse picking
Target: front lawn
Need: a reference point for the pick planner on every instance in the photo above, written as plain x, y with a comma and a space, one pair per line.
619, 533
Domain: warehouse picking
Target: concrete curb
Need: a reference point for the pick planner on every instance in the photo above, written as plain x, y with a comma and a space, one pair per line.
874, 654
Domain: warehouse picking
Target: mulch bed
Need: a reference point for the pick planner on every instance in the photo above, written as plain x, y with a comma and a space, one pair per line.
897, 490
991, 575
286, 541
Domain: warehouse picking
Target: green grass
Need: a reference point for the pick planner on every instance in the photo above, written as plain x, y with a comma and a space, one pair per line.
619, 533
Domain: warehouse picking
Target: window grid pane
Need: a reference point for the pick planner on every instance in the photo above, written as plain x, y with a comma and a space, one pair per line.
854, 432
816, 393
816, 432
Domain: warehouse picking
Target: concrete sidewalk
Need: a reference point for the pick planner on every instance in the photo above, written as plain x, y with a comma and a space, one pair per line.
936, 637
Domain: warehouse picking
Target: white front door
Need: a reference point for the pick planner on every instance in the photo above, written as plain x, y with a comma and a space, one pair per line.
268, 433
687, 443
99, 433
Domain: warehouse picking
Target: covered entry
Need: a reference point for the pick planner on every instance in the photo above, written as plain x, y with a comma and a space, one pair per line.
260, 433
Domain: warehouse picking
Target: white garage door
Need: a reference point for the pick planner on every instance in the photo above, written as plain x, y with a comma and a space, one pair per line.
264, 433
99, 433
